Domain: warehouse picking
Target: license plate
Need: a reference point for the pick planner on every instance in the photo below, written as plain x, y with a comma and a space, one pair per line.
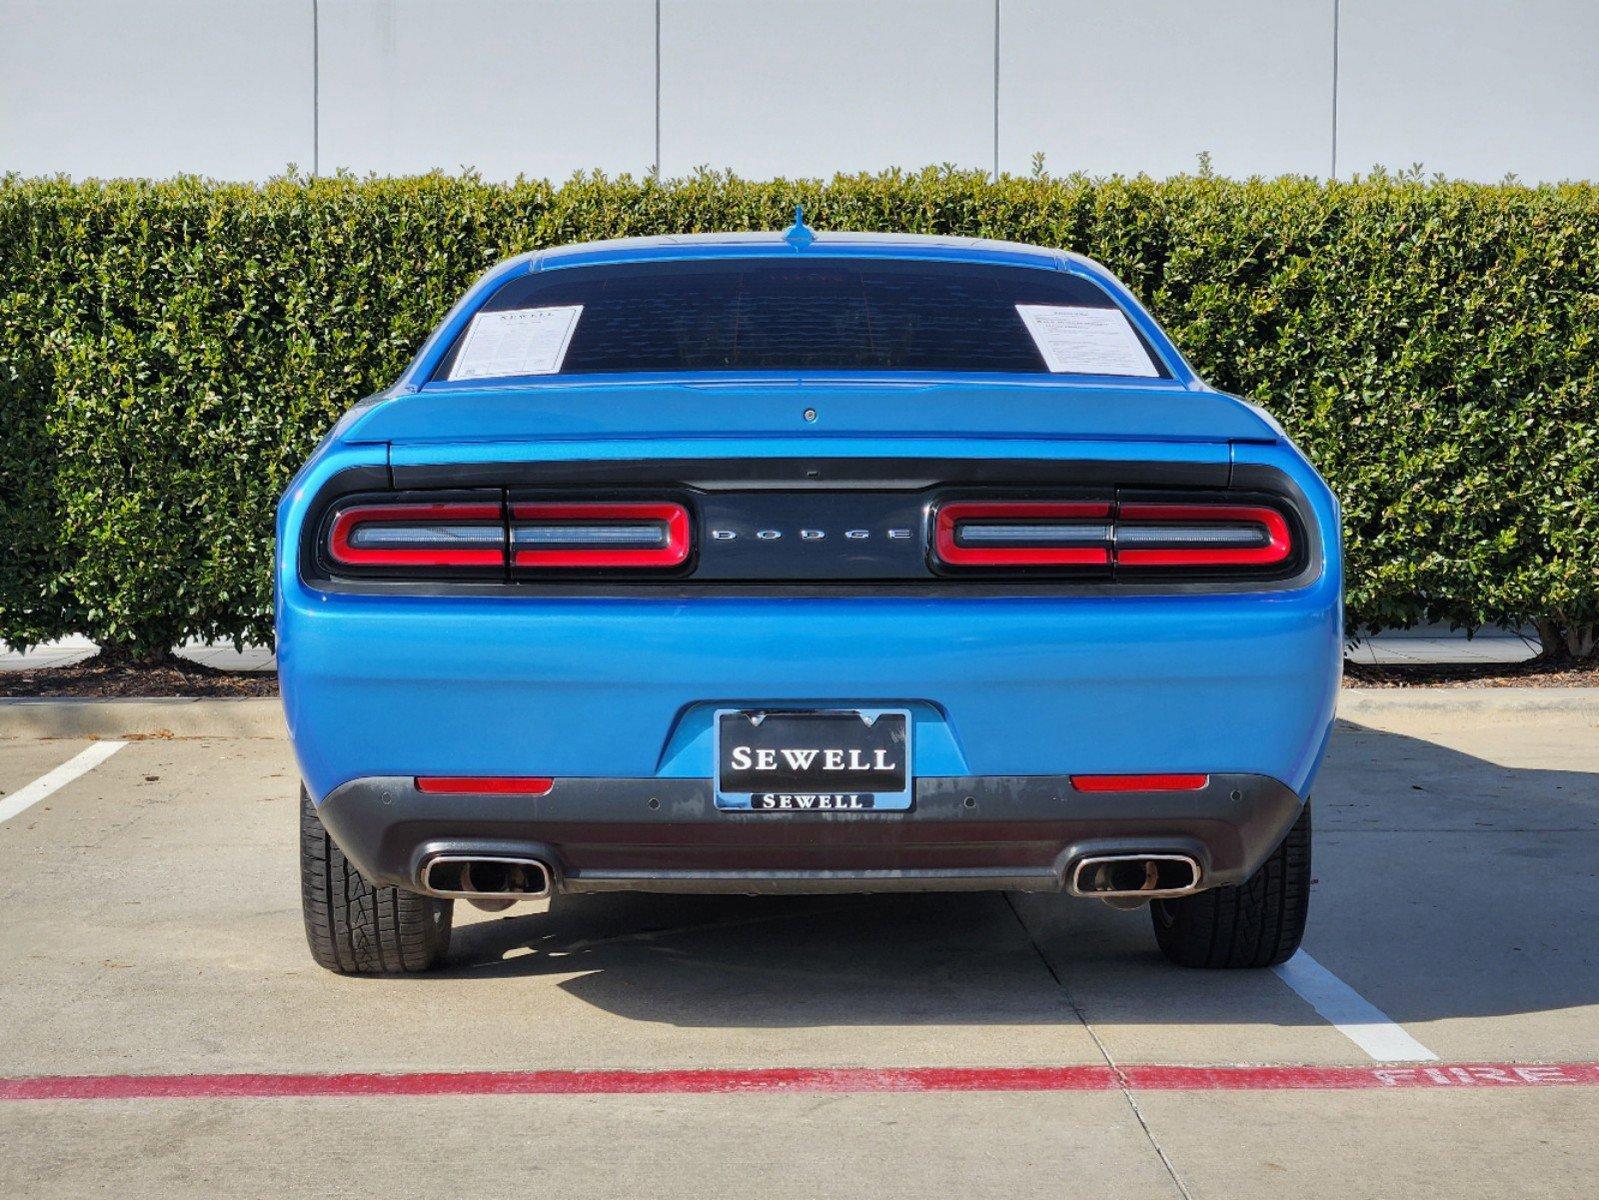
829, 760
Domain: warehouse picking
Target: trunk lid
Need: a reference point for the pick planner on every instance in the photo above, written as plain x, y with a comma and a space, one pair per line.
673, 409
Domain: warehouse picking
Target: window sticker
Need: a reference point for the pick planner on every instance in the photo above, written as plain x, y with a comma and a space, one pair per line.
522, 341
1086, 341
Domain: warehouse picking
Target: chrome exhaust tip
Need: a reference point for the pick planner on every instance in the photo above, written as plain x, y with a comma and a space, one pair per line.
490, 881
1128, 880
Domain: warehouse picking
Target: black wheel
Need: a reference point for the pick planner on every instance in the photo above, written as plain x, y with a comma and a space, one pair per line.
1257, 923
355, 928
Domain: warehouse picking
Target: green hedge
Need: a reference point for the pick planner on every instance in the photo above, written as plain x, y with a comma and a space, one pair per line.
170, 352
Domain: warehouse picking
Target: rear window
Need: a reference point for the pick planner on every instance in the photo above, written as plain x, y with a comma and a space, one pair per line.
785, 315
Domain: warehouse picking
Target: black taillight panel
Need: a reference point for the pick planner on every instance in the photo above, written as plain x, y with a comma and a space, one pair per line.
832, 535
975, 535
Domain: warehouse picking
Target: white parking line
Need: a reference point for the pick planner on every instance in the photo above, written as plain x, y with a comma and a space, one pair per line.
1357, 1018
81, 763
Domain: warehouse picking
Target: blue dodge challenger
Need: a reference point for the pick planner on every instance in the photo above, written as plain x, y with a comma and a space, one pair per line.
805, 562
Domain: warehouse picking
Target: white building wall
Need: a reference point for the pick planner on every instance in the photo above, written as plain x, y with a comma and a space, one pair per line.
1149, 86
1472, 88
243, 88
155, 87
539, 87
789, 87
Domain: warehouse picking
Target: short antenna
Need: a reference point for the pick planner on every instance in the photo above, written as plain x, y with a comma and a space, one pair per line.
799, 234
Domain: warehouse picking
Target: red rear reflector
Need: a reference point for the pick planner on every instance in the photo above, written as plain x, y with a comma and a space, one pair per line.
521, 785
1197, 535
600, 535
1023, 533
1140, 783
418, 535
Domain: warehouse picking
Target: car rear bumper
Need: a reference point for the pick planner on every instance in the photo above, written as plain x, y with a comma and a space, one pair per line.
1021, 832
1033, 680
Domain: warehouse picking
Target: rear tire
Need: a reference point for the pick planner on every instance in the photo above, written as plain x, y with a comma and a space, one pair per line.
1257, 923
355, 928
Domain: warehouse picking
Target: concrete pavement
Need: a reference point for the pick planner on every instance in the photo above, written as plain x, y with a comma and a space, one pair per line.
149, 917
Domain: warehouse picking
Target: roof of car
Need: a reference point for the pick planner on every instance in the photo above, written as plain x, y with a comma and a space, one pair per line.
771, 243
798, 241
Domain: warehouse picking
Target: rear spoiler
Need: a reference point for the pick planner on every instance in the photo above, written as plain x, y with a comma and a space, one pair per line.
1050, 409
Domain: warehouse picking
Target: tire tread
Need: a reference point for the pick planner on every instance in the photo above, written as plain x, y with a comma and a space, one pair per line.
1254, 924
354, 928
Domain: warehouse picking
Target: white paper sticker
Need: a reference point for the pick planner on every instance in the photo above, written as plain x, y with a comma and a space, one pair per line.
521, 341
1086, 341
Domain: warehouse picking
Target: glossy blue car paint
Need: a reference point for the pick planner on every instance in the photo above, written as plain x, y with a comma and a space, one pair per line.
383, 685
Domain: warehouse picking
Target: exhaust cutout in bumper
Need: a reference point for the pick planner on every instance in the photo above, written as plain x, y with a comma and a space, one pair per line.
1128, 880
490, 881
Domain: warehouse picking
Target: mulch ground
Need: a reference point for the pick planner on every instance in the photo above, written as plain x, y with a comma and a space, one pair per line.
96, 680
1473, 675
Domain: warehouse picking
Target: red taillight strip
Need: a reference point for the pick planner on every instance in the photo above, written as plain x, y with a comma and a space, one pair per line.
672, 552
1278, 546
1042, 512
1140, 783
421, 518
519, 785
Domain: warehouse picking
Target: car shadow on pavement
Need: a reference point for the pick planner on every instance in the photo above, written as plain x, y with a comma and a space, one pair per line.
1447, 886
777, 961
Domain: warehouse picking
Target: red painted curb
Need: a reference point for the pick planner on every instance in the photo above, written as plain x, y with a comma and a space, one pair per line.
795, 1079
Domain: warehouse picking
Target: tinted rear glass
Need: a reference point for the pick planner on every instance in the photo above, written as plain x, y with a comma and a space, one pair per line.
783, 315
